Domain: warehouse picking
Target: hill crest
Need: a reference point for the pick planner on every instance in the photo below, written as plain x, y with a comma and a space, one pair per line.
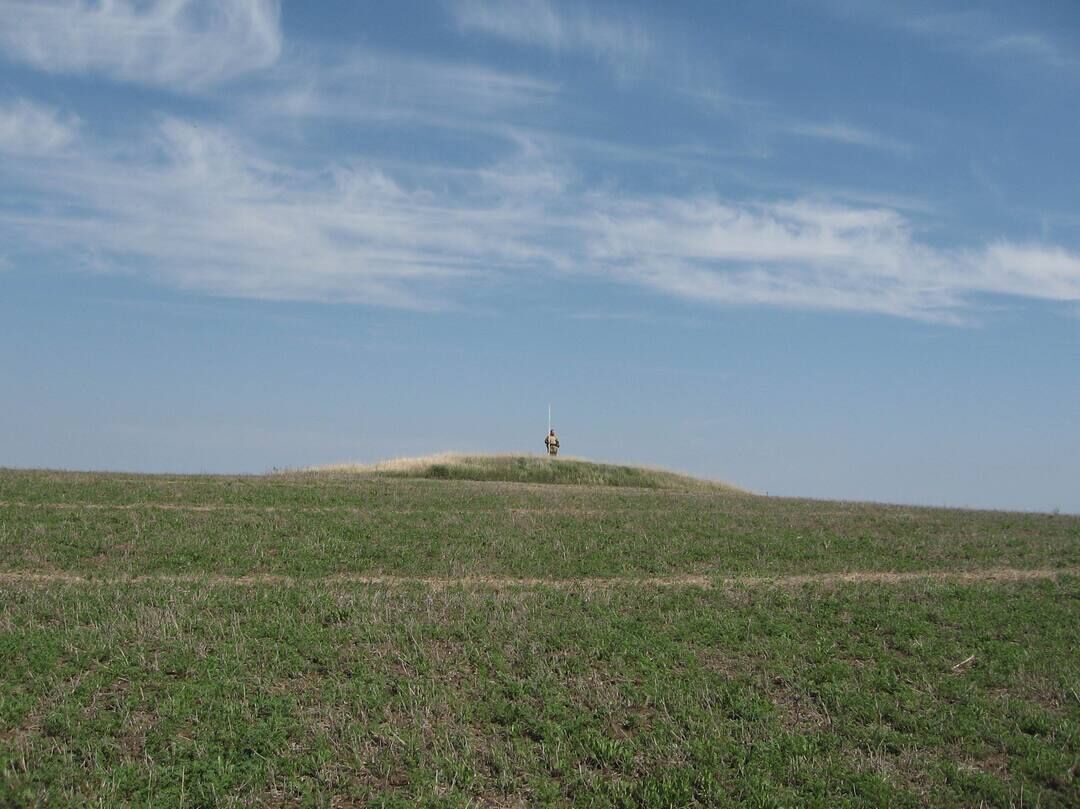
524, 468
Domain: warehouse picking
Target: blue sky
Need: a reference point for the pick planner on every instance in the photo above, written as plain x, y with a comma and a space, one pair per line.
813, 248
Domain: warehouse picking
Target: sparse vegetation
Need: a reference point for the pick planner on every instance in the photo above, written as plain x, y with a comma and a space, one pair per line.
524, 469
334, 639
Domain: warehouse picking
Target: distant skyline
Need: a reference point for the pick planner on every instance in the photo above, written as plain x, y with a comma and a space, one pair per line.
825, 249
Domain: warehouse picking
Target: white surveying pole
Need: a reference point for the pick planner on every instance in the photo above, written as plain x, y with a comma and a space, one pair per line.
549, 419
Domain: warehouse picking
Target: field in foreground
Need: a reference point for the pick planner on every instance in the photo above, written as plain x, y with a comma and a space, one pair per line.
379, 639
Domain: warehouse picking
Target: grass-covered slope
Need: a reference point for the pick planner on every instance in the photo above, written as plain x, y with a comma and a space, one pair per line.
523, 469
371, 640
313, 525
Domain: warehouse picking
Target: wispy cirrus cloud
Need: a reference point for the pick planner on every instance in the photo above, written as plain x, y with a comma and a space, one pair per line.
976, 33
200, 208
1034, 46
814, 255
364, 83
29, 128
183, 44
570, 28
851, 135
982, 36
197, 208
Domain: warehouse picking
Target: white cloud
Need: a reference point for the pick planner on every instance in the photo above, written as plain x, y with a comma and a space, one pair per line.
199, 208
1032, 270
810, 255
1033, 46
541, 24
186, 44
851, 135
377, 85
980, 35
28, 128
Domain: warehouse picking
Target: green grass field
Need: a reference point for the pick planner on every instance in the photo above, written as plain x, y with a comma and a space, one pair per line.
468, 632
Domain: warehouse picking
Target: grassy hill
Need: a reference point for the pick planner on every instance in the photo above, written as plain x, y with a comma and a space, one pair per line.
524, 469
406, 636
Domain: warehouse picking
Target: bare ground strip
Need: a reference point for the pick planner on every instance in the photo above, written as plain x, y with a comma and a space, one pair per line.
585, 583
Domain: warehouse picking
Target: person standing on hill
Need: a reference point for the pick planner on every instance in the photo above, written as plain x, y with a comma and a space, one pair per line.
552, 444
